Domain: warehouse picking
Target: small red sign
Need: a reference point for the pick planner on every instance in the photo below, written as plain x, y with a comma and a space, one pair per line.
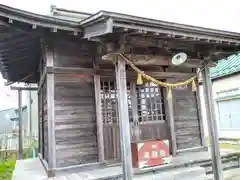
151, 153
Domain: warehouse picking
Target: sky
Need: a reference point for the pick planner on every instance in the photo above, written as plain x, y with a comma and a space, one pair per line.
217, 14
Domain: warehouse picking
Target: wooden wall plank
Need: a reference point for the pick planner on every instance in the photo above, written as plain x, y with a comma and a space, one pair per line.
75, 113
187, 122
76, 139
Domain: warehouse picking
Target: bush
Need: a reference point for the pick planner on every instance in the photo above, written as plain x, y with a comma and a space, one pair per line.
6, 170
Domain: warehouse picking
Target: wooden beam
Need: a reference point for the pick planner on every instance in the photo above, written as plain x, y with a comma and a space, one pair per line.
24, 88
72, 70
110, 72
157, 75
140, 59
97, 88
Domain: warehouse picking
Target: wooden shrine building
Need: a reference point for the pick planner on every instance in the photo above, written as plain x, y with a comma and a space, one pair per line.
87, 93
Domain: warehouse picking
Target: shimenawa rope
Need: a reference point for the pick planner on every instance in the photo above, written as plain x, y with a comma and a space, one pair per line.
169, 86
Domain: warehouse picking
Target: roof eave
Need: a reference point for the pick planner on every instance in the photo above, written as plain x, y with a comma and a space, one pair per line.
37, 20
157, 26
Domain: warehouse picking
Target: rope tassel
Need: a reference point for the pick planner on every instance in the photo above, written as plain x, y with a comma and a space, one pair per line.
194, 87
139, 79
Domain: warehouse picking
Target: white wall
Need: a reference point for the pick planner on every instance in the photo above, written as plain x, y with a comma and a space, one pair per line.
220, 85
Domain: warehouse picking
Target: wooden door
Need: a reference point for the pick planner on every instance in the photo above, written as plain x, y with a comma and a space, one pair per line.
151, 113
146, 115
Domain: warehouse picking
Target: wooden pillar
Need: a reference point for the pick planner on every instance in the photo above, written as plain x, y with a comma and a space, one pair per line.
20, 125
200, 116
97, 87
40, 145
171, 123
212, 125
51, 116
30, 114
123, 117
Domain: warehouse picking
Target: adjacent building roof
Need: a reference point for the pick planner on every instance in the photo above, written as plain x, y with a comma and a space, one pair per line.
226, 66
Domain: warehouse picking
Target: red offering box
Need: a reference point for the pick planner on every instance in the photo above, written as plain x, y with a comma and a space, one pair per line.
150, 153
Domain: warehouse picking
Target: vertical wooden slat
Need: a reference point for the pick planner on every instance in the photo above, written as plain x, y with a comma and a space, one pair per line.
146, 109
150, 93
118, 144
114, 141
160, 91
135, 128
99, 119
104, 104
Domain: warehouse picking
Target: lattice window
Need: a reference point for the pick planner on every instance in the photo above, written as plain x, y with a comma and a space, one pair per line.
150, 102
109, 102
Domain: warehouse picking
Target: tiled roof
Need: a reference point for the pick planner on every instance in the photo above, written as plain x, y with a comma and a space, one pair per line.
226, 66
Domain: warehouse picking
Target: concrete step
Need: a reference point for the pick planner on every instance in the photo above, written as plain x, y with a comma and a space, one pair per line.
196, 173
232, 174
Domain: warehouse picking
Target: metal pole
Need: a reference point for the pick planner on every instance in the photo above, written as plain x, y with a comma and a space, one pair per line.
20, 140
212, 125
123, 117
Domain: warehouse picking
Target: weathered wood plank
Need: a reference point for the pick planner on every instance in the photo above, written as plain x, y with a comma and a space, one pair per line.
75, 114
74, 53
187, 123
76, 138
